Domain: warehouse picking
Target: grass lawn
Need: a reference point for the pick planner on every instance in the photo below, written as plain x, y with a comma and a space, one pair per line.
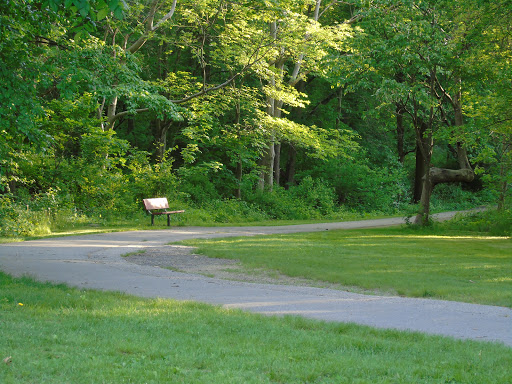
55, 334
447, 265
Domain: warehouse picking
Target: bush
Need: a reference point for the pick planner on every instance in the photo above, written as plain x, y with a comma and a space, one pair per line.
312, 199
315, 195
365, 188
452, 196
232, 211
17, 220
145, 180
196, 183
493, 222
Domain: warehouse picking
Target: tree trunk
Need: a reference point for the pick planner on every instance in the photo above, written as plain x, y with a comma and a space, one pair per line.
161, 138
419, 174
290, 166
277, 146
239, 165
425, 145
400, 133
400, 129
238, 175
267, 172
503, 193
422, 218
436, 175
266, 179
277, 163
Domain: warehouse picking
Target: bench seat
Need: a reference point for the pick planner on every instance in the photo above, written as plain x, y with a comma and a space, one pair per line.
159, 206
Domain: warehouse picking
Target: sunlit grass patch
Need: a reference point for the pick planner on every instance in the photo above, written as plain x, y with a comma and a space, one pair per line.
454, 266
64, 335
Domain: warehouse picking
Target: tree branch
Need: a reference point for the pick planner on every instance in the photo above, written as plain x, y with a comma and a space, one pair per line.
49, 42
254, 57
117, 116
168, 16
150, 27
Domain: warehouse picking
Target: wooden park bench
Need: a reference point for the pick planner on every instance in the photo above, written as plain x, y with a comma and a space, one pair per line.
159, 206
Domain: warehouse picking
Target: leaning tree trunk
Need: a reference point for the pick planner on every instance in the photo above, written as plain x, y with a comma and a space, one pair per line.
424, 147
436, 175
419, 175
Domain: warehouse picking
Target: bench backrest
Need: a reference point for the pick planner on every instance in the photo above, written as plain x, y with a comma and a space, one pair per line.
158, 203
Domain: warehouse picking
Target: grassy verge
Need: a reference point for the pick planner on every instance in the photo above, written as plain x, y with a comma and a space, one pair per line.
160, 223
461, 266
55, 334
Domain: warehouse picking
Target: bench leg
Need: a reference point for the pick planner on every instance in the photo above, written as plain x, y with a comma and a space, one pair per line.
152, 219
168, 220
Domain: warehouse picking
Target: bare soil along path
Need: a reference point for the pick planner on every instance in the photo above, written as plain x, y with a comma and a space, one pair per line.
95, 261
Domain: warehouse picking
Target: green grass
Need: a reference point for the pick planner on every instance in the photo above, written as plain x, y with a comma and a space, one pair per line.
134, 253
64, 335
160, 223
458, 266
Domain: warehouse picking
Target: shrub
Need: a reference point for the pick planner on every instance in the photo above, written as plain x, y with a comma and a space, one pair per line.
18, 220
232, 211
312, 199
145, 180
315, 195
496, 223
196, 182
453, 196
365, 188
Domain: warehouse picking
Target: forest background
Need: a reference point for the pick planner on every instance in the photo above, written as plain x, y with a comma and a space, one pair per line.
251, 110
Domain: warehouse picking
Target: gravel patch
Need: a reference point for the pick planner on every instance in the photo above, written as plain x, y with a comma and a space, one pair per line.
181, 258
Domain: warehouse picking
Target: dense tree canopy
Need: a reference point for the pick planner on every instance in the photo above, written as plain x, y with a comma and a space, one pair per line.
363, 104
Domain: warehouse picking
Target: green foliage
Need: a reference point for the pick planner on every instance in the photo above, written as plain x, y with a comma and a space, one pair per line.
227, 211
363, 187
315, 194
83, 14
86, 113
146, 180
311, 199
37, 215
496, 223
457, 197
197, 183
17, 220
22, 67
82, 135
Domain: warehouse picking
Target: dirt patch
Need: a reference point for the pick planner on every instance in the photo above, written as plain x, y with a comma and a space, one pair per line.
182, 259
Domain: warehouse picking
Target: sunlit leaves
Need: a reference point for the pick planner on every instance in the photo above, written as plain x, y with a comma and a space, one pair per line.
92, 9
318, 142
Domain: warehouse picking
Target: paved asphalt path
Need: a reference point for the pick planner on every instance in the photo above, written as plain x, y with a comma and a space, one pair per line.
94, 261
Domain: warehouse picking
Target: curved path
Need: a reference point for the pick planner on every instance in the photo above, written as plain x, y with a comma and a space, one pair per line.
94, 261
